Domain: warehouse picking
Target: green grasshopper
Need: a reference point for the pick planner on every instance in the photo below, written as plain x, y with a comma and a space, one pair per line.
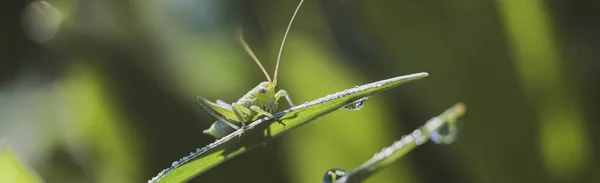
259, 101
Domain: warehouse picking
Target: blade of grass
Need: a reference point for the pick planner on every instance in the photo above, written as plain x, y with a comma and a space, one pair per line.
405, 145
262, 130
12, 170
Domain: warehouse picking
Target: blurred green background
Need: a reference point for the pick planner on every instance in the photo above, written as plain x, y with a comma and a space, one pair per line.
104, 90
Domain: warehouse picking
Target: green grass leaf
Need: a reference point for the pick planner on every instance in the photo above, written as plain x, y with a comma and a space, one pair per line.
433, 128
13, 171
262, 130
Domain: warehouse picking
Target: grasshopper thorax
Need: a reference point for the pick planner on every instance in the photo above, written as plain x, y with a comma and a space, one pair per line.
262, 95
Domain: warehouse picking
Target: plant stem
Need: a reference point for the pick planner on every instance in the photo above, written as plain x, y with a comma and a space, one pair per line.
406, 144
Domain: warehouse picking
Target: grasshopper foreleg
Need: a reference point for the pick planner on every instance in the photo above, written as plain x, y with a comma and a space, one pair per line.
283, 93
265, 113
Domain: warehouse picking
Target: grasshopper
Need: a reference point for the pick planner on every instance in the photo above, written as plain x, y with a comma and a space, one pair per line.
259, 101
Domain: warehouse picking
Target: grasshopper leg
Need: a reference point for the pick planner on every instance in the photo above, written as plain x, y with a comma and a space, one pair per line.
283, 93
265, 113
239, 110
239, 116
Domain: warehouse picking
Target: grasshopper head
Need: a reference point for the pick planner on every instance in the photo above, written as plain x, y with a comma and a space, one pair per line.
266, 89
265, 93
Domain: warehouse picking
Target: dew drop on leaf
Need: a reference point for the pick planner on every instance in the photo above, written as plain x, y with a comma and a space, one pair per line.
357, 105
419, 138
334, 174
445, 135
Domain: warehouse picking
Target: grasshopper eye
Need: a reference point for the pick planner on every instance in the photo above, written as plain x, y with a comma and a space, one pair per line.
263, 91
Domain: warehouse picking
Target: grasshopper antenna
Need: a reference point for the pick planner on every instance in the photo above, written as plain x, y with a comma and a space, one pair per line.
240, 39
283, 42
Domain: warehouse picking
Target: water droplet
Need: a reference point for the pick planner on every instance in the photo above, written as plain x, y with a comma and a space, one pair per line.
416, 133
419, 139
175, 163
334, 174
357, 105
445, 135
